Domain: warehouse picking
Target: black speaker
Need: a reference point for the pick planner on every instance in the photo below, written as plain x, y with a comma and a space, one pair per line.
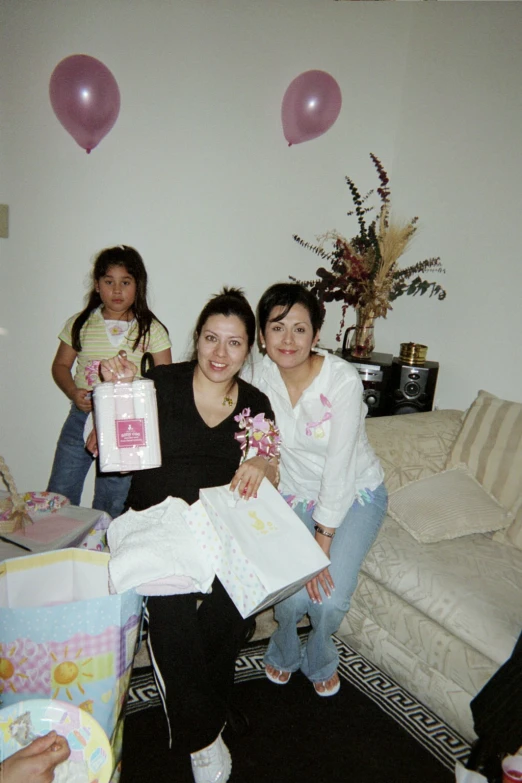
375, 376
412, 387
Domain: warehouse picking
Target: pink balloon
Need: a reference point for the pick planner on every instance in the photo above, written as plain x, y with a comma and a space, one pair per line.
311, 105
85, 97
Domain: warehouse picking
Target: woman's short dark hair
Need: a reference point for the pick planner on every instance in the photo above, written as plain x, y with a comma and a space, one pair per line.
230, 301
286, 295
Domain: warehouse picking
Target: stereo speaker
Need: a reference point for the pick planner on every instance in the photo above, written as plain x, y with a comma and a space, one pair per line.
375, 374
412, 388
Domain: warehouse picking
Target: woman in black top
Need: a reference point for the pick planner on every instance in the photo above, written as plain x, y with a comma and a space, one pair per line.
193, 650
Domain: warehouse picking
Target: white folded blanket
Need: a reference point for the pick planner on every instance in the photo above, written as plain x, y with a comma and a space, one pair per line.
156, 544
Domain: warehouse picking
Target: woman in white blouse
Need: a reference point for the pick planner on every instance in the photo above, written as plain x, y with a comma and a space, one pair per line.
329, 474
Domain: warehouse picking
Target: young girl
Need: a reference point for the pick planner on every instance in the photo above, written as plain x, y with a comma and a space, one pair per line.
116, 317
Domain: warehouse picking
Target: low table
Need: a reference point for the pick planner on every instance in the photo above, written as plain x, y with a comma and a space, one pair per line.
70, 526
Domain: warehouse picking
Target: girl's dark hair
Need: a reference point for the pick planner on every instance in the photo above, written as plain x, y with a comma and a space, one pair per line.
130, 259
231, 301
286, 295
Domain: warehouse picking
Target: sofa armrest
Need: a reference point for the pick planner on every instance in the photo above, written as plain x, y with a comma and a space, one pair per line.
414, 445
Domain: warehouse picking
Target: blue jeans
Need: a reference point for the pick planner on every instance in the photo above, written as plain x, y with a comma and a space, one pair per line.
318, 658
71, 465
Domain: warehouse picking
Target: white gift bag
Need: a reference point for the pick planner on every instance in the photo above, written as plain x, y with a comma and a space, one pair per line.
259, 548
126, 416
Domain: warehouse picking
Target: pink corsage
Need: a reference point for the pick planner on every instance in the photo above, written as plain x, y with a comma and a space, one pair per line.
257, 433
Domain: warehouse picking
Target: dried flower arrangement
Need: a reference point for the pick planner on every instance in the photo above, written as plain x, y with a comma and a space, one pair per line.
364, 270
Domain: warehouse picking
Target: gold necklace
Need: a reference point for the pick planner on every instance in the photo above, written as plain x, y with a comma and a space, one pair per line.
227, 400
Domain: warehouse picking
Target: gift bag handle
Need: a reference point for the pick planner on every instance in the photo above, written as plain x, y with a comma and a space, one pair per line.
18, 517
147, 364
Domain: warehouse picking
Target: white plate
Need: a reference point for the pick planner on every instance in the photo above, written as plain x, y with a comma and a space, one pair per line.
22, 722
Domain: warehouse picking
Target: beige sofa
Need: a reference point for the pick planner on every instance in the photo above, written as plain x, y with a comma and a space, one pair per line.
441, 617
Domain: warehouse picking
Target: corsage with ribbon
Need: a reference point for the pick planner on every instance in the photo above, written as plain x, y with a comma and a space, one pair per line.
257, 436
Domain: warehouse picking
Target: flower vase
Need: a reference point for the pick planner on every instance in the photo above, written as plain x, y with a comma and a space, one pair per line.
362, 342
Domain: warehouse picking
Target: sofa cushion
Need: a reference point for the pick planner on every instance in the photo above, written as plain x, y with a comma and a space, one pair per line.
449, 504
490, 444
413, 446
440, 669
471, 586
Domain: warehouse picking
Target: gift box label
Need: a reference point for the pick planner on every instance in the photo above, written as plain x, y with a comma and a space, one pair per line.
130, 433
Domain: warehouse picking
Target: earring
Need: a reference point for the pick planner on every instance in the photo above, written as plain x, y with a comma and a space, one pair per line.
263, 346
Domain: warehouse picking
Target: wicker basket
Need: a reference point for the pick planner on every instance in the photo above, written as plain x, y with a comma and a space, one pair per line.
14, 504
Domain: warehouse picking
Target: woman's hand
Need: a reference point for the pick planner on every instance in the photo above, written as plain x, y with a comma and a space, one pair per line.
91, 444
36, 762
82, 399
327, 583
324, 579
118, 368
249, 476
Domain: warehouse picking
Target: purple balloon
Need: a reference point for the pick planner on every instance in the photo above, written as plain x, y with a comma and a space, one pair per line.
85, 97
311, 105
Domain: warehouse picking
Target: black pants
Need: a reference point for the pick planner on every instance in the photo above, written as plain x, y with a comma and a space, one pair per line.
193, 653
497, 708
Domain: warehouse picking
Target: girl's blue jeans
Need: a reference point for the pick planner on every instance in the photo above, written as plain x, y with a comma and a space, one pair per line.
318, 658
71, 464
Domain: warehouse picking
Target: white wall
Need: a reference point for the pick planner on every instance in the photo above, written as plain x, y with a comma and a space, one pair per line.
197, 175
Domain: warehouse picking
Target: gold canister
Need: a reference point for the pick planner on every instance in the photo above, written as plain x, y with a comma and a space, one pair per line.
413, 353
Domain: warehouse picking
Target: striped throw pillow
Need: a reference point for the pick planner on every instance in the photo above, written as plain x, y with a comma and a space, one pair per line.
490, 445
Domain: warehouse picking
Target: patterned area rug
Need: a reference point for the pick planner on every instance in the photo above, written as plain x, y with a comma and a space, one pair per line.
435, 736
